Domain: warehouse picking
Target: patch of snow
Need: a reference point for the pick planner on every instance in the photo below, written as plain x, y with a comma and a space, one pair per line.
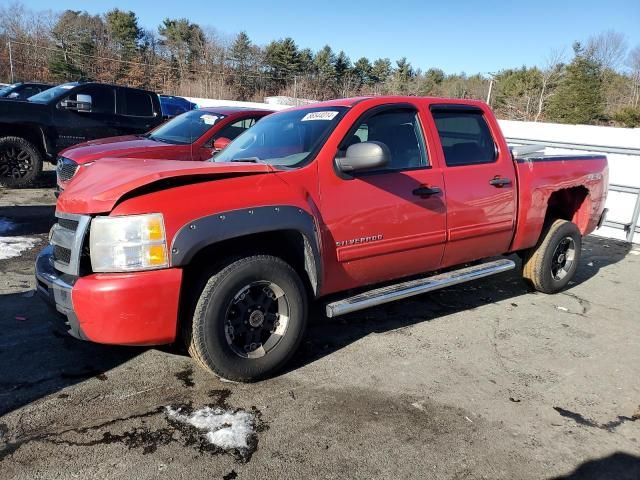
13, 246
562, 309
6, 225
223, 428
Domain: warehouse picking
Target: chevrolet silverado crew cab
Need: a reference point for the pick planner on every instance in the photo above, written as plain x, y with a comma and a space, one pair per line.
194, 135
36, 129
358, 198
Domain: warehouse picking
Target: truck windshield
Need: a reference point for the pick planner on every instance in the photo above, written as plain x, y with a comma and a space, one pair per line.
285, 139
52, 93
186, 128
4, 91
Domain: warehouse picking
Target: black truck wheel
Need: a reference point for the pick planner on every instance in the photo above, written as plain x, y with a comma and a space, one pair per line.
249, 319
20, 162
551, 264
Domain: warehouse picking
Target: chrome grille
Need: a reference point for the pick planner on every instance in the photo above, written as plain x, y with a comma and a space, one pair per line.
67, 238
61, 254
68, 224
66, 169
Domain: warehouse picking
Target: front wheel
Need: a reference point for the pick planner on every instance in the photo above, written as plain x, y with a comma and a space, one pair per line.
551, 264
249, 319
20, 162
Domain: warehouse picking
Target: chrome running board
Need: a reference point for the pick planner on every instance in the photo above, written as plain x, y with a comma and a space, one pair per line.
399, 291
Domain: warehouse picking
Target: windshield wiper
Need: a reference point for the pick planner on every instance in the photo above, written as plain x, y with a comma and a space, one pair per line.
161, 140
248, 159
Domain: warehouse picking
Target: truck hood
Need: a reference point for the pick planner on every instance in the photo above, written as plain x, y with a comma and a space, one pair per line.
99, 188
123, 146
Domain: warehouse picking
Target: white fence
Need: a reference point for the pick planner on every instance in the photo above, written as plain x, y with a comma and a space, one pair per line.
620, 145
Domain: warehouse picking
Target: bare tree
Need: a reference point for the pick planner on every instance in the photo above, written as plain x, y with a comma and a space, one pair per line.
633, 62
608, 49
551, 73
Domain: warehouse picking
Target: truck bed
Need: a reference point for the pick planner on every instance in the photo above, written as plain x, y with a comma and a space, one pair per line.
558, 181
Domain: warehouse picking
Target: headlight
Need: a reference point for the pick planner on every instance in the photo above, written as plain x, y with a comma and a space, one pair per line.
128, 243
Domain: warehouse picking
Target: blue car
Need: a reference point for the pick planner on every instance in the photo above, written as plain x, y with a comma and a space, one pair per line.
172, 106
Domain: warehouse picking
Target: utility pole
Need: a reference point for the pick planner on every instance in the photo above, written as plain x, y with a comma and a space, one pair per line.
490, 89
10, 60
295, 88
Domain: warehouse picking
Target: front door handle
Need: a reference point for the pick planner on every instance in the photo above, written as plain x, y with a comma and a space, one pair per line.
426, 191
499, 182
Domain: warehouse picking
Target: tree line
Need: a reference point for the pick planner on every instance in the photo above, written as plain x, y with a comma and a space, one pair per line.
598, 82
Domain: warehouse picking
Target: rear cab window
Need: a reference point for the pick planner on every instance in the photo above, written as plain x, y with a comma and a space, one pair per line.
465, 136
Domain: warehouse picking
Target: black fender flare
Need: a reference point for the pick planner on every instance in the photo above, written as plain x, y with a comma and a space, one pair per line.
192, 237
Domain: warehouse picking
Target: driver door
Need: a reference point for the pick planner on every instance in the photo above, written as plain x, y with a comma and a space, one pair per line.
85, 114
381, 224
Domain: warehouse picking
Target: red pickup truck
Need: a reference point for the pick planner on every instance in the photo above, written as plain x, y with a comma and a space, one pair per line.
341, 196
194, 135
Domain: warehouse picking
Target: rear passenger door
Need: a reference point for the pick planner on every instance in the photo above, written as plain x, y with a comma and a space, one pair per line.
480, 185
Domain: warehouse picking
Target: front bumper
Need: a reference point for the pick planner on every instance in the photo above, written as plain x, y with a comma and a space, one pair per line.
139, 308
55, 288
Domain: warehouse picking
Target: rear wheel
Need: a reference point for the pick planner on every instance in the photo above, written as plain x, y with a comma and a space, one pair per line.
249, 319
20, 162
553, 262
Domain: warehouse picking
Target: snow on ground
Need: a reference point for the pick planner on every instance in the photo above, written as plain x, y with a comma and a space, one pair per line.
13, 246
223, 428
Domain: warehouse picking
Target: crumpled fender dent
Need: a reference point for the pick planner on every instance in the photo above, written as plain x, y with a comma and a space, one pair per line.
102, 186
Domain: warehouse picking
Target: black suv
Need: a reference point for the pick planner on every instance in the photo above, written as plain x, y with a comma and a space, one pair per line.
35, 130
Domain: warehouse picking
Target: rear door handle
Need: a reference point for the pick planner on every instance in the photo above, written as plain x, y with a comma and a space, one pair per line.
425, 191
500, 182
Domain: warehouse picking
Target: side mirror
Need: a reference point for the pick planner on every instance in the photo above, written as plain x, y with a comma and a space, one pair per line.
82, 103
220, 144
364, 156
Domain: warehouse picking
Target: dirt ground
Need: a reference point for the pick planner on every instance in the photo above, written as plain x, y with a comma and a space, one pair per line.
484, 380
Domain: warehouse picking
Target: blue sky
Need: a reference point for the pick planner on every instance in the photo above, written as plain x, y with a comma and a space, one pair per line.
463, 35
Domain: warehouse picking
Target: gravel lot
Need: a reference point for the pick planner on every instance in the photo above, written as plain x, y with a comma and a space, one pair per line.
484, 380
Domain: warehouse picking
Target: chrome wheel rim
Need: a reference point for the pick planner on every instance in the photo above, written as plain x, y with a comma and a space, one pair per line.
256, 319
15, 162
563, 258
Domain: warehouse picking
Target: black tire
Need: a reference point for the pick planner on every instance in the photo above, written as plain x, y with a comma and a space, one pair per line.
213, 342
20, 162
546, 267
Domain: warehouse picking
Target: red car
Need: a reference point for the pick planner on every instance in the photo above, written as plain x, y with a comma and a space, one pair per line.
330, 198
194, 135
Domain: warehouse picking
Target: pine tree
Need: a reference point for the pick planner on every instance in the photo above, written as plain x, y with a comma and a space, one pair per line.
578, 99
381, 70
362, 71
241, 53
283, 59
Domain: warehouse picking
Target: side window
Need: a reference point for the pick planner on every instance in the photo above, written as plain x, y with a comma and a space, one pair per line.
232, 130
400, 131
95, 99
465, 137
136, 103
29, 91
